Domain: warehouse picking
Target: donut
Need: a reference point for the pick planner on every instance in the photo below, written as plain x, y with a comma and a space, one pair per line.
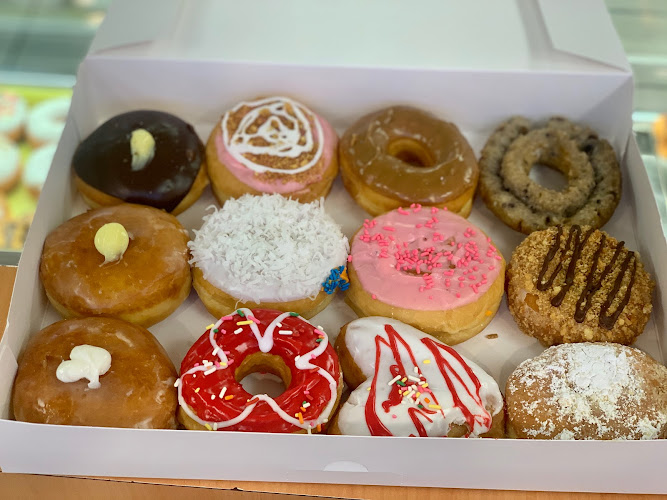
402, 155
272, 145
578, 284
125, 261
146, 157
37, 168
587, 161
268, 252
13, 114
211, 396
46, 121
101, 372
429, 268
407, 383
588, 391
10, 164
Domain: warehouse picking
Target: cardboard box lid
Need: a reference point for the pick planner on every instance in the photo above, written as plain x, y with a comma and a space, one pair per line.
506, 34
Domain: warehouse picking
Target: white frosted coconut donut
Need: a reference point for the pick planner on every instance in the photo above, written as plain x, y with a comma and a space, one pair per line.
407, 383
46, 121
10, 161
268, 252
13, 113
37, 168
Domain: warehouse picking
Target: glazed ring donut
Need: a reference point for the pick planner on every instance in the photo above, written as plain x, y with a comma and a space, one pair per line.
588, 391
147, 157
58, 382
272, 145
588, 163
578, 284
46, 121
282, 343
37, 168
402, 155
144, 285
429, 268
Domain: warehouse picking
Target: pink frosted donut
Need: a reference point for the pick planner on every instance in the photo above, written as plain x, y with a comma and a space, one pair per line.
429, 268
272, 145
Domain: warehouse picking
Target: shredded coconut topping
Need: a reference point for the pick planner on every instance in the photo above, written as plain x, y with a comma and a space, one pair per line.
268, 248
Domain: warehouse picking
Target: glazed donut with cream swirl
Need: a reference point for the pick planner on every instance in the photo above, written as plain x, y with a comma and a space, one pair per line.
272, 145
429, 268
270, 252
209, 390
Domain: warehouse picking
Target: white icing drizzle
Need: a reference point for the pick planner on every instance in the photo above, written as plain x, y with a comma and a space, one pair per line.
282, 140
265, 345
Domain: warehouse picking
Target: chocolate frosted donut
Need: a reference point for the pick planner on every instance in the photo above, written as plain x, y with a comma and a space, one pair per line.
145, 157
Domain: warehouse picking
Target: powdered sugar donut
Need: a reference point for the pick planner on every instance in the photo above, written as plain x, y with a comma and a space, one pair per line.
37, 168
10, 162
406, 383
46, 121
268, 252
429, 268
13, 114
272, 145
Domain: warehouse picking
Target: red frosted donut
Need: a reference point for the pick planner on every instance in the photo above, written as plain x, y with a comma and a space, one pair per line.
209, 390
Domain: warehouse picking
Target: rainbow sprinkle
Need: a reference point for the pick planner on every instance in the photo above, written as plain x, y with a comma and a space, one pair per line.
337, 279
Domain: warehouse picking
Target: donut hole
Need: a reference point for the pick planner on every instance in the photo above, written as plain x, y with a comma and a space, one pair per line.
263, 373
548, 176
411, 151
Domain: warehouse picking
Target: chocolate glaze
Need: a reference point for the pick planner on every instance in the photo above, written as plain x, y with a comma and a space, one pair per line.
104, 160
606, 319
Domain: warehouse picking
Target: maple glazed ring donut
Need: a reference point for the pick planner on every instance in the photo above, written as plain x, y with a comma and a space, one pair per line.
578, 284
403, 155
588, 163
209, 390
272, 145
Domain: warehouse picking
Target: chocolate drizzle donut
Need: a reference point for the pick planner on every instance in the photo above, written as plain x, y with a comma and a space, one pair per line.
575, 284
104, 160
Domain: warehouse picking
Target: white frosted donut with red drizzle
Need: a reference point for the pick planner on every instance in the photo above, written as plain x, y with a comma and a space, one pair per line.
406, 383
209, 390
427, 267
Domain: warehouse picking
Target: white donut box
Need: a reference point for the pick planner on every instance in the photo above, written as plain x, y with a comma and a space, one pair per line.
474, 63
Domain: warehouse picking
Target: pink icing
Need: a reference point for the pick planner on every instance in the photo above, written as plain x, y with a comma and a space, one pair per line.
248, 177
424, 259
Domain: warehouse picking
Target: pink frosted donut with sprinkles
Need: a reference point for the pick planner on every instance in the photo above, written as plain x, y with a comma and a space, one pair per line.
429, 268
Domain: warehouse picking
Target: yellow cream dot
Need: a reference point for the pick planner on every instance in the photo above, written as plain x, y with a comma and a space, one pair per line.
111, 240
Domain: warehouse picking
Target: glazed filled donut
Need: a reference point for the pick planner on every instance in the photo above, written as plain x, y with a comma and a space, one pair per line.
588, 391
578, 284
406, 383
46, 121
13, 114
125, 261
37, 168
146, 157
429, 268
272, 145
402, 155
10, 164
268, 252
210, 393
95, 371
588, 163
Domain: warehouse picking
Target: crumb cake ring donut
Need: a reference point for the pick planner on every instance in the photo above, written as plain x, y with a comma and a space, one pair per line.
146, 157
429, 268
268, 252
135, 389
588, 391
578, 284
13, 114
143, 285
46, 121
272, 145
406, 383
588, 162
209, 390
403, 155
10, 164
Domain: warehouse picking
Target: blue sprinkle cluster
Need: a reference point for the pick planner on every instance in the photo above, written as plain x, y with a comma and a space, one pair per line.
337, 279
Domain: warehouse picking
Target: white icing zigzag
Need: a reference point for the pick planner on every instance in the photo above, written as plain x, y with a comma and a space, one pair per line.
282, 139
